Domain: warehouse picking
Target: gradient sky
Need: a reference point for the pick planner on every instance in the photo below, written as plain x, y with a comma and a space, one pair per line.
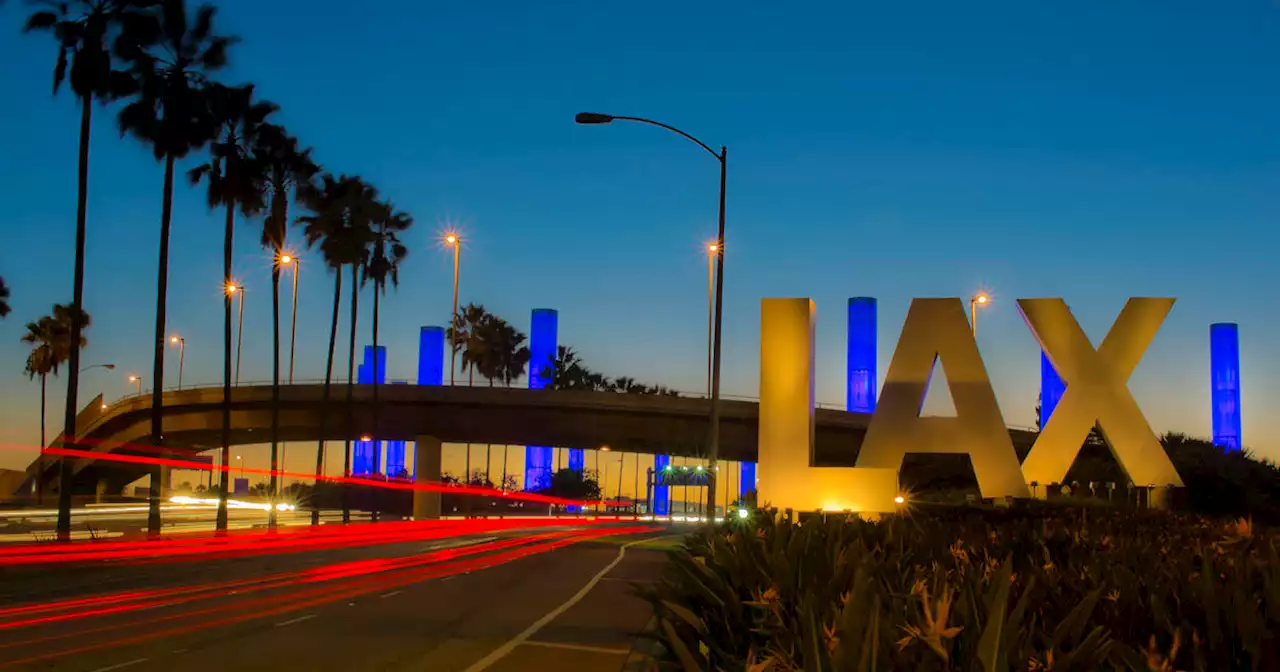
1090, 150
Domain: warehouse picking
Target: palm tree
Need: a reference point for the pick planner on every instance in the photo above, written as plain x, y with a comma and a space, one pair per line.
235, 181
50, 338
171, 62
287, 167
83, 30
465, 336
388, 253
4, 299
365, 200
340, 223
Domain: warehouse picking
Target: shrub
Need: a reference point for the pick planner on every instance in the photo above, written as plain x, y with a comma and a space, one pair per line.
1043, 588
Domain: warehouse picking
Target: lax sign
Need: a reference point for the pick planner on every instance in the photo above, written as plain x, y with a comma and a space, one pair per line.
937, 330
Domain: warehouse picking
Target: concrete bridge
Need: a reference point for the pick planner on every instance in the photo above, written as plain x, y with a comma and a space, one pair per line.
511, 416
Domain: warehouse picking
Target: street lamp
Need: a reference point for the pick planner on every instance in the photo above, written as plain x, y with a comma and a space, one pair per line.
108, 367
138, 380
290, 260
711, 305
452, 239
980, 299
182, 355
713, 434
238, 289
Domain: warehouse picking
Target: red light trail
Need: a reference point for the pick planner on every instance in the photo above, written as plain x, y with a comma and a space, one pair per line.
307, 588
389, 485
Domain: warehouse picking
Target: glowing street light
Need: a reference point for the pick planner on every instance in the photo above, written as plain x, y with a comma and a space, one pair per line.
979, 299
452, 239
138, 380
182, 355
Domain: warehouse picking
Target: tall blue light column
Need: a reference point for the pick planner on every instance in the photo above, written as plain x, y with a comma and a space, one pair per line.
361, 451
368, 460
748, 479
431, 356
860, 393
1051, 389
430, 363
542, 351
1224, 368
661, 503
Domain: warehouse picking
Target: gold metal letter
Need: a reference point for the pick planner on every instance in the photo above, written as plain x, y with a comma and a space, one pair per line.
1097, 391
787, 477
937, 329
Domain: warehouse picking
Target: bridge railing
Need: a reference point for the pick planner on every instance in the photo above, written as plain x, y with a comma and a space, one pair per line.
342, 383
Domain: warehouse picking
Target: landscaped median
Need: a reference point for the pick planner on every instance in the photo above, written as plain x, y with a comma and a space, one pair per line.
1039, 588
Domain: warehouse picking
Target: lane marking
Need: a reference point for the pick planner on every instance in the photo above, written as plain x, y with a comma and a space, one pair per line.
299, 619
449, 578
579, 647
122, 665
501, 652
394, 592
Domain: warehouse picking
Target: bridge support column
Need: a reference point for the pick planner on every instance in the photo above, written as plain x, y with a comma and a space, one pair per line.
426, 467
100, 490
166, 482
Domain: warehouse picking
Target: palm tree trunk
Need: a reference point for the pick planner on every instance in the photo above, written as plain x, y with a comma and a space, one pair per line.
505, 451
43, 441
77, 305
272, 490
157, 375
324, 406
351, 379
220, 526
488, 453
375, 446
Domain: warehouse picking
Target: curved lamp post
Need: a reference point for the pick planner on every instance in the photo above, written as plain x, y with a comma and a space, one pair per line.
980, 300
713, 434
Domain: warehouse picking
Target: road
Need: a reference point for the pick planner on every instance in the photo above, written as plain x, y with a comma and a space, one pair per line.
549, 597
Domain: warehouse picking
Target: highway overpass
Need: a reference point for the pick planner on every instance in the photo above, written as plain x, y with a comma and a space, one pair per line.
510, 416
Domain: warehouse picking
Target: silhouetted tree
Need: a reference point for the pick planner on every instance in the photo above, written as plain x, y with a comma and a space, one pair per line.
340, 223
4, 299
384, 267
235, 180
285, 168
573, 484
367, 201
50, 339
171, 62
84, 30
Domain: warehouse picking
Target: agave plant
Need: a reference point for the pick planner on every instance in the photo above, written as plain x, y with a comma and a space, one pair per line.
962, 588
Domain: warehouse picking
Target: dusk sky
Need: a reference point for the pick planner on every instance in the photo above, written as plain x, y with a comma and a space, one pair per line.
1090, 150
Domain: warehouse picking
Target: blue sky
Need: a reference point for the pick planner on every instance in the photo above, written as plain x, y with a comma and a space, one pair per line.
1090, 150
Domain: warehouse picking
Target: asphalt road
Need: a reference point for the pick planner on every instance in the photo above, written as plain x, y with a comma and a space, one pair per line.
550, 598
